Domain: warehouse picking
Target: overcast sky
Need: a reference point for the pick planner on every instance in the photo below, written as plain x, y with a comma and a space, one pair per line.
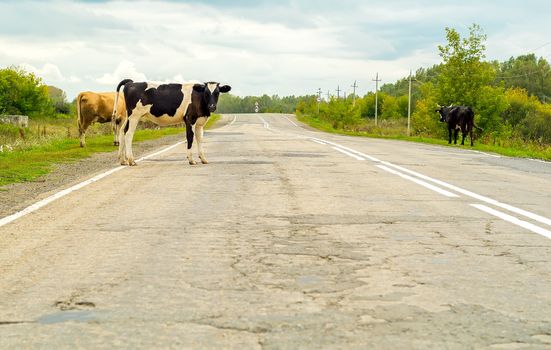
282, 47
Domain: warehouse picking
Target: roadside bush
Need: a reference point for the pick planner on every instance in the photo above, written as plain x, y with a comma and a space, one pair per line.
23, 93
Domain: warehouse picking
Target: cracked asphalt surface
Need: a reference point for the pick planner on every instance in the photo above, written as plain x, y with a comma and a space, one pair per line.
281, 242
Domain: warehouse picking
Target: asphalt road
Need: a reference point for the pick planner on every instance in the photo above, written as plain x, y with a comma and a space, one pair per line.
289, 238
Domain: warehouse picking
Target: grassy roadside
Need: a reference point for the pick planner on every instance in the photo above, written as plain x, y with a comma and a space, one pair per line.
521, 151
36, 160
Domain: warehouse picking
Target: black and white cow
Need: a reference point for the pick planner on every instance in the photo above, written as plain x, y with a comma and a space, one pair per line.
167, 104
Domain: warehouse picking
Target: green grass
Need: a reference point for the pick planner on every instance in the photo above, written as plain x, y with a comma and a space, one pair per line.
35, 156
526, 150
31, 163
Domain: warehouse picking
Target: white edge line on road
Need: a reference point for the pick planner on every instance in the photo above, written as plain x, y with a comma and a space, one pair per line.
539, 161
316, 141
234, 119
161, 151
348, 153
348, 149
292, 122
487, 154
508, 207
33, 207
419, 182
481, 198
514, 220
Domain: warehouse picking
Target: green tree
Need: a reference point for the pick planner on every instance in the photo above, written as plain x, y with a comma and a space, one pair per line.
59, 100
463, 74
425, 119
527, 72
23, 93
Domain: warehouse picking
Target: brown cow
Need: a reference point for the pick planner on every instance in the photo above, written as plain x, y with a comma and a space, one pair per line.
98, 107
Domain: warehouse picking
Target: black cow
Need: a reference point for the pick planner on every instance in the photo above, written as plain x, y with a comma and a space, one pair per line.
458, 117
167, 104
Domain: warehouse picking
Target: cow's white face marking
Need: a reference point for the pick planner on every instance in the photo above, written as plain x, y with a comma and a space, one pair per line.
212, 87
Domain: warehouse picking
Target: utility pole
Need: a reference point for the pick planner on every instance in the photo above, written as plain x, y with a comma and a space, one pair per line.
409, 104
354, 92
328, 96
338, 92
319, 99
376, 80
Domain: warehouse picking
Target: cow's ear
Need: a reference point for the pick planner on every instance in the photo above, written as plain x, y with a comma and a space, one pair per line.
199, 87
225, 88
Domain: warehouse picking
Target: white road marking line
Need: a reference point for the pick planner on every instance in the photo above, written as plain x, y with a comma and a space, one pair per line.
48, 200
539, 160
348, 153
485, 199
514, 220
266, 125
481, 198
161, 151
234, 119
316, 141
292, 122
419, 182
348, 149
487, 154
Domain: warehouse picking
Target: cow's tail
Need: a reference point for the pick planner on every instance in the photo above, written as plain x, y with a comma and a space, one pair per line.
478, 127
122, 83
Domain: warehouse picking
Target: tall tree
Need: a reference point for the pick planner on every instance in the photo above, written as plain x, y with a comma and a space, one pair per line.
463, 74
23, 93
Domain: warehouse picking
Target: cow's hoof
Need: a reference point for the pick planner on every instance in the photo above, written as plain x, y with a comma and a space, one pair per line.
204, 161
115, 143
192, 162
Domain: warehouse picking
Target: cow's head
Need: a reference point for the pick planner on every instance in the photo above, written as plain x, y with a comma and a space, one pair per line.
211, 91
443, 111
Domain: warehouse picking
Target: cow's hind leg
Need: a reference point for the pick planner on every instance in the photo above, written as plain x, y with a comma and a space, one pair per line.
82, 126
189, 137
463, 135
449, 136
455, 132
126, 135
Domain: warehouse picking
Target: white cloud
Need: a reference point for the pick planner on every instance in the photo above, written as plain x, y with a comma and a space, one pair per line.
125, 70
49, 72
286, 47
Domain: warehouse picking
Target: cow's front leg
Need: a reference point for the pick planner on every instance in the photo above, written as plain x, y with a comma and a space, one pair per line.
199, 138
122, 148
449, 136
189, 136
